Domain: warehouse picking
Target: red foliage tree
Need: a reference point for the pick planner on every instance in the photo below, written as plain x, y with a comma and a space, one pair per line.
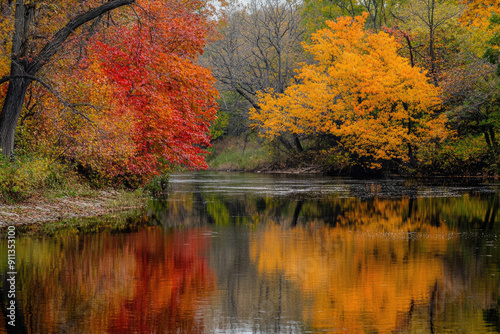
157, 85
152, 102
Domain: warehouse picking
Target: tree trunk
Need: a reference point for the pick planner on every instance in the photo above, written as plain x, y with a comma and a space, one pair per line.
11, 110
487, 137
432, 51
285, 143
410, 49
411, 154
16, 91
298, 145
492, 138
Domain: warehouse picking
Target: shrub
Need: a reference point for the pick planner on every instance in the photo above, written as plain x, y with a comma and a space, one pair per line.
20, 177
158, 186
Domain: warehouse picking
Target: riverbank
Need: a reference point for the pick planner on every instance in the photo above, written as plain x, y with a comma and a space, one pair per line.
236, 154
43, 209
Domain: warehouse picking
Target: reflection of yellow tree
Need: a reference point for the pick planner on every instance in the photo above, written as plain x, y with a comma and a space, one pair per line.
356, 280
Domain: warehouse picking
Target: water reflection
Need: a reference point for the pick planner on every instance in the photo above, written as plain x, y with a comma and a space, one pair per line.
236, 253
381, 282
232, 199
146, 282
356, 256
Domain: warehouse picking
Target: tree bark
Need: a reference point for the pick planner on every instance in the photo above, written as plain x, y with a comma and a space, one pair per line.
410, 49
492, 138
50, 49
298, 145
20, 66
16, 91
487, 137
9, 117
285, 143
432, 39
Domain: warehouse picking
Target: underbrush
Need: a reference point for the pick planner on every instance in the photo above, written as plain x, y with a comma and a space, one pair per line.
465, 157
158, 186
469, 156
27, 176
23, 176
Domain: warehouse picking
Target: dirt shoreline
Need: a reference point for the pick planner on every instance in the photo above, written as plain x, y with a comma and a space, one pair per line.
43, 210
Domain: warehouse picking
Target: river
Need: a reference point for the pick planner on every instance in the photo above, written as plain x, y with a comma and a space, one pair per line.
260, 253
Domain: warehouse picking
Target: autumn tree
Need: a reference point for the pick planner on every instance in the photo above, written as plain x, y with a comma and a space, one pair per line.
157, 85
377, 106
471, 87
125, 94
40, 31
427, 28
478, 12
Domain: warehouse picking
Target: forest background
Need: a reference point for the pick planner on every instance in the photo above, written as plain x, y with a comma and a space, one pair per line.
406, 87
122, 92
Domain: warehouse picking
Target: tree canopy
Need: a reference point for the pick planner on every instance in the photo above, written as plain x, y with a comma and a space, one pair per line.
128, 89
115, 88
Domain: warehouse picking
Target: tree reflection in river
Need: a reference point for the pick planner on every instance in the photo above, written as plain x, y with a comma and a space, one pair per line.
378, 264
145, 282
367, 281
236, 254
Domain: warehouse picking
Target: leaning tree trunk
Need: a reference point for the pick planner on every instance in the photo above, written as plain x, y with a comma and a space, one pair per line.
11, 110
18, 85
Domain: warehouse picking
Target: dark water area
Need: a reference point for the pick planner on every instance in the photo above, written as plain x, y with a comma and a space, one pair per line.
254, 253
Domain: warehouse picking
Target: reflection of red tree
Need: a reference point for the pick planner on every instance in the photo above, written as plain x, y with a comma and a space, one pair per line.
171, 276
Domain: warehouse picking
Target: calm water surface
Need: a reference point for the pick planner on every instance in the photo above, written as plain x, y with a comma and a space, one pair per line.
243, 253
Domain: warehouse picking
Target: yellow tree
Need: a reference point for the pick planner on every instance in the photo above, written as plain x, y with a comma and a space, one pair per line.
478, 12
359, 90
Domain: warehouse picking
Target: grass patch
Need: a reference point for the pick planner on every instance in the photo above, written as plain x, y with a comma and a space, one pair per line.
232, 154
128, 200
76, 189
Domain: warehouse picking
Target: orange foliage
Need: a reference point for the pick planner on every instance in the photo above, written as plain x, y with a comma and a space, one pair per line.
358, 281
476, 17
361, 91
478, 12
